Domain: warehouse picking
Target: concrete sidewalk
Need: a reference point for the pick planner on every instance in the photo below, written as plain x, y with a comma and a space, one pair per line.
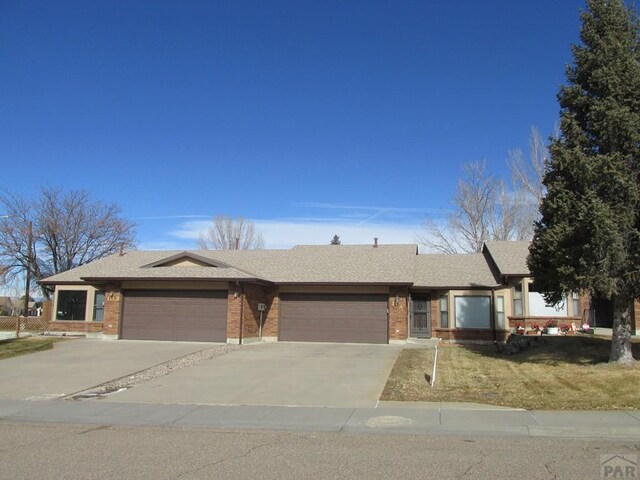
430, 419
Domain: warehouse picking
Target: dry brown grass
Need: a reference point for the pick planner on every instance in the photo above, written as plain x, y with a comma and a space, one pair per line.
23, 346
563, 373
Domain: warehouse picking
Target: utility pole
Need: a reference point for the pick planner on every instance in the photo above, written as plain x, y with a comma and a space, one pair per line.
28, 282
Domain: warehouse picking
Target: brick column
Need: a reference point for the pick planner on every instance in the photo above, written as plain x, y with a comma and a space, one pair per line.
398, 305
112, 310
253, 295
272, 315
234, 313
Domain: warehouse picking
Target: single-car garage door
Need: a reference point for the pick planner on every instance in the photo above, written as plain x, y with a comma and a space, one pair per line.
333, 318
187, 315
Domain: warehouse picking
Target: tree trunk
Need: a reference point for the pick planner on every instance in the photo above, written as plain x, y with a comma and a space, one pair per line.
621, 338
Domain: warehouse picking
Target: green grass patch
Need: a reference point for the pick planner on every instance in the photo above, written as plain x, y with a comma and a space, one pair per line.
563, 373
23, 346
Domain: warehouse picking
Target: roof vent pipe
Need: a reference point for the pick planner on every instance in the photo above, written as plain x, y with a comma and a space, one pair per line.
122, 249
375, 242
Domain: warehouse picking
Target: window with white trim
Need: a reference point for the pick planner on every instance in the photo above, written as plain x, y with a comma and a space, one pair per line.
500, 317
444, 311
473, 312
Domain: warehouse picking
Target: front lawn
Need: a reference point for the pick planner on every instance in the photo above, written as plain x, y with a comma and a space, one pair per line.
563, 373
22, 346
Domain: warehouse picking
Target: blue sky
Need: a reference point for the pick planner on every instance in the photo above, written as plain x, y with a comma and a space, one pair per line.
313, 118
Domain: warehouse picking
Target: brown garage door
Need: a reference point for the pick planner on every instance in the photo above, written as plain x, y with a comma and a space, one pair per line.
333, 318
187, 315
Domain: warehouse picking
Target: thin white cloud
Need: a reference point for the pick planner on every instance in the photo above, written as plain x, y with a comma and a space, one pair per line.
173, 217
342, 206
365, 214
287, 233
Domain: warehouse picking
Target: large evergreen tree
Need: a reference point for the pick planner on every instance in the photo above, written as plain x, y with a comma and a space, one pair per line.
589, 236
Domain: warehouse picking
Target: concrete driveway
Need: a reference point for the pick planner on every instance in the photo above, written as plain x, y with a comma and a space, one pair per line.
293, 374
78, 364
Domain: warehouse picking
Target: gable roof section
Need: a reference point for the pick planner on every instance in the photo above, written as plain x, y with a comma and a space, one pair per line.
467, 270
185, 255
510, 258
324, 264
140, 265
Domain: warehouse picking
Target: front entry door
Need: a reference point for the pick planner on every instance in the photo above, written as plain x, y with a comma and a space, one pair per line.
421, 318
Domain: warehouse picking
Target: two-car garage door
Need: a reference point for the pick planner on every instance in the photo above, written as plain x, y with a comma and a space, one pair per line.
314, 317
199, 315
187, 315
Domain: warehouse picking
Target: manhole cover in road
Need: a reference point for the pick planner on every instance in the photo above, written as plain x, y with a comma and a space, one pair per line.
388, 421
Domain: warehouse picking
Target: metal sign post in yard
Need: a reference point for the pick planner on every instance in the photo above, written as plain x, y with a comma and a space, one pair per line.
435, 362
261, 308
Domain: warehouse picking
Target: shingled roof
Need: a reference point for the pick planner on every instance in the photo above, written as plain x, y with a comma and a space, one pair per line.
510, 257
313, 264
451, 271
362, 264
135, 265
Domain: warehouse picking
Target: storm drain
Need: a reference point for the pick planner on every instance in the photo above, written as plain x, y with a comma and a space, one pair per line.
98, 394
388, 421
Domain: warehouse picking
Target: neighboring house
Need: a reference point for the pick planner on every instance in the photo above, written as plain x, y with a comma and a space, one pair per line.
333, 293
7, 306
523, 302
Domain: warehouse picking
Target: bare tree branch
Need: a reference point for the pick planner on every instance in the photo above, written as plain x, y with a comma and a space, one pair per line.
226, 233
69, 229
527, 174
483, 209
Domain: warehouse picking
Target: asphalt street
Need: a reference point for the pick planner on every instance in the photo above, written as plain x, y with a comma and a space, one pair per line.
46, 451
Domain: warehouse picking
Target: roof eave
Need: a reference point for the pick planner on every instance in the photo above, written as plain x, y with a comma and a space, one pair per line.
61, 282
458, 287
408, 284
170, 279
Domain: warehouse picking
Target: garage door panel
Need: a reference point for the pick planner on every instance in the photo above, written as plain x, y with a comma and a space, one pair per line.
175, 315
333, 318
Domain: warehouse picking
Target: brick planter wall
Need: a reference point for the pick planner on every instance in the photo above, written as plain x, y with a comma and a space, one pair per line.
75, 326
528, 321
471, 334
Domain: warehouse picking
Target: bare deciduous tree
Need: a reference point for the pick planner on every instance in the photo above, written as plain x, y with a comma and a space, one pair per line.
486, 208
527, 174
483, 209
68, 229
227, 233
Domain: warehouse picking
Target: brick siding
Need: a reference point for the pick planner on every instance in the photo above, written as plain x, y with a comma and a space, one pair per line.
272, 315
112, 310
398, 313
234, 311
470, 334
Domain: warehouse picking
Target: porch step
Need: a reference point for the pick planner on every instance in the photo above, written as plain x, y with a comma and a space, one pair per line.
432, 342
